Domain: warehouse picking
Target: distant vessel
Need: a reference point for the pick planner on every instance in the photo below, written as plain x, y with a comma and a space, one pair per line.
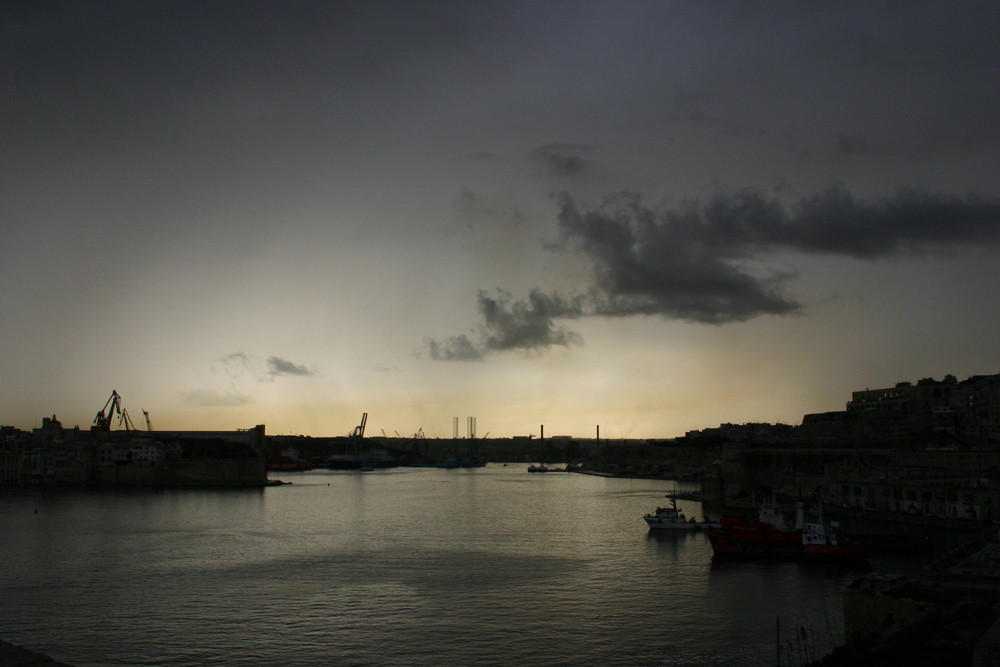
282, 464
670, 518
376, 458
538, 468
771, 537
287, 460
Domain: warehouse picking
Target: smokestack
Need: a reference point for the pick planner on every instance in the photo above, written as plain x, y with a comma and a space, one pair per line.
598, 432
543, 432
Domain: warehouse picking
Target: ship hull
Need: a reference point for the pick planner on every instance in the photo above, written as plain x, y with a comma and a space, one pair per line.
671, 524
781, 546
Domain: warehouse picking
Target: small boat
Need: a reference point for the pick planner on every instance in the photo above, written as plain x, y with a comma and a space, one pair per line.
771, 537
670, 518
538, 468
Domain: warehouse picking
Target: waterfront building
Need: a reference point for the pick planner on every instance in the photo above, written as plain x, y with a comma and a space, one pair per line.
52, 455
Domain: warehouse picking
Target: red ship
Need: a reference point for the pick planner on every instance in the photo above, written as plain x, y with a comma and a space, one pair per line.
771, 537
287, 460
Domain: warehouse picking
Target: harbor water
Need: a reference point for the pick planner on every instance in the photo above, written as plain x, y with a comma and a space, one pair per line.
415, 566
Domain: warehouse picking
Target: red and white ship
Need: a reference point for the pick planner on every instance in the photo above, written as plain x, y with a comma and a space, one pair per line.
771, 537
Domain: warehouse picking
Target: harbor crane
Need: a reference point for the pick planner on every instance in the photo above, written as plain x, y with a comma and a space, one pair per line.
149, 427
357, 435
359, 430
102, 422
127, 420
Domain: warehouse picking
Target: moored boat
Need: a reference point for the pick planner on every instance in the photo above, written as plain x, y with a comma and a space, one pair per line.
670, 518
282, 464
287, 460
537, 468
771, 537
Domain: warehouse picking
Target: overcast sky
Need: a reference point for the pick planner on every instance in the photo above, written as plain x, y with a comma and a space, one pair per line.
648, 216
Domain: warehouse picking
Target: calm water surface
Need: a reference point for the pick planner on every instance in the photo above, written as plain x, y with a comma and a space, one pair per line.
405, 566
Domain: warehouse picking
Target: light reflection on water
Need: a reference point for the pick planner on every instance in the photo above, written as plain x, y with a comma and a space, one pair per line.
404, 566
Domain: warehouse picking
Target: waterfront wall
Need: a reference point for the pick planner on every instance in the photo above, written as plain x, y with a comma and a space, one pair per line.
52, 455
185, 472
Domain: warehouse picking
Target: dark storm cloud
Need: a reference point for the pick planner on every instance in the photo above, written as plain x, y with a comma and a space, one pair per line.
527, 323
509, 325
689, 263
913, 221
651, 263
692, 263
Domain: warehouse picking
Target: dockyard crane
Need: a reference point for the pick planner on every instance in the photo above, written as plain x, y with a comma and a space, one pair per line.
359, 430
149, 427
102, 422
127, 420
355, 437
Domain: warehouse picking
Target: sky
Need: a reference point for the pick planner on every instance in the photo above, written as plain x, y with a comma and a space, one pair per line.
648, 217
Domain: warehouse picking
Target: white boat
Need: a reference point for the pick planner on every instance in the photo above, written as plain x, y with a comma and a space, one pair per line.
670, 518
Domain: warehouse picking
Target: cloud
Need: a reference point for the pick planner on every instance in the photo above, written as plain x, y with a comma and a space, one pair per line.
456, 348
697, 262
913, 221
691, 263
510, 325
235, 364
279, 366
239, 364
668, 263
527, 323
